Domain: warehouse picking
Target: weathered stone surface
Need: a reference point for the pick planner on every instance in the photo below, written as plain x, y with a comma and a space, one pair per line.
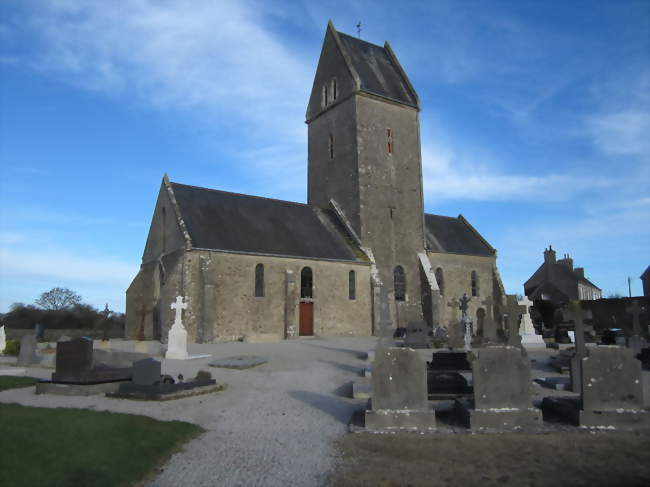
399, 380
387, 420
611, 379
146, 372
241, 362
503, 419
417, 335
501, 378
27, 355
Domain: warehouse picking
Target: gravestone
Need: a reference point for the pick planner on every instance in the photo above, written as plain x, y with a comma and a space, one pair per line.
3, 339
502, 391
455, 325
74, 360
489, 325
612, 392
417, 335
39, 332
577, 315
440, 334
177, 339
444, 380
146, 372
527, 330
399, 392
27, 354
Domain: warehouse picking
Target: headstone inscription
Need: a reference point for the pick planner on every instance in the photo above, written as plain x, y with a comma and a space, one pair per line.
399, 392
417, 335
502, 391
27, 354
177, 339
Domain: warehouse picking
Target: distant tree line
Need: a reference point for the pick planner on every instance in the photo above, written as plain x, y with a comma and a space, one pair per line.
61, 308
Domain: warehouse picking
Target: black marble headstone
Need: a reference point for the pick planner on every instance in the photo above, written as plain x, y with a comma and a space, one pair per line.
146, 372
450, 360
74, 359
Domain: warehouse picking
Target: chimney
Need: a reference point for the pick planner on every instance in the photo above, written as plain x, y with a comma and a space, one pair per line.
580, 272
567, 262
549, 255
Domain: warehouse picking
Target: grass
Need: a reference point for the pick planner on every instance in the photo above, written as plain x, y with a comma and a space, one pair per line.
13, 382
76, 447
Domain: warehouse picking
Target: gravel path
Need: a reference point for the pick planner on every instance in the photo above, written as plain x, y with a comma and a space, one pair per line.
274, 425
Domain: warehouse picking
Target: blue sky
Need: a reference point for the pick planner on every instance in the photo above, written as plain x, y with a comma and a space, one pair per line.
535, 124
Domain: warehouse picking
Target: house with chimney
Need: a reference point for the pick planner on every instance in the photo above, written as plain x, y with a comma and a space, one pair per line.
559, 282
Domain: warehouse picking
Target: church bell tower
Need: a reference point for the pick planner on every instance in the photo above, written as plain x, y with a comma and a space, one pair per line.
364, 155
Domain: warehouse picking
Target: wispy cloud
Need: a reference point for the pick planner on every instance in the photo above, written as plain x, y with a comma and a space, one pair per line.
449, 175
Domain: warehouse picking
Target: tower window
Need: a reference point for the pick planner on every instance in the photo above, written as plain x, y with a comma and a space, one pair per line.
440, 280
325, 95
330, 146
399, 278
335, 93
474, 284
259, 281
352, 285
389, 140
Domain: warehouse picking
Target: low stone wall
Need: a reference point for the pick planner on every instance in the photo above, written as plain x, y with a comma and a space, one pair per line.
54, 335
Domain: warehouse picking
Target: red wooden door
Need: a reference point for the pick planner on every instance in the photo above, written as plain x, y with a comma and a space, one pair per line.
306, 319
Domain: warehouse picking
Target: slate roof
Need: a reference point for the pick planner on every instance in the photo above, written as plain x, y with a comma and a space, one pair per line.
454, 235
221, 220
561, 271
377, 72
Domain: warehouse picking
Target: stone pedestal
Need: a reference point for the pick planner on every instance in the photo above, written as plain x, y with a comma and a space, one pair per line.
177, 343
399, 392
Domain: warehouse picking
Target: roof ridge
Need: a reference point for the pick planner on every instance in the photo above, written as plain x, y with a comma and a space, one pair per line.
442, 216
242, 194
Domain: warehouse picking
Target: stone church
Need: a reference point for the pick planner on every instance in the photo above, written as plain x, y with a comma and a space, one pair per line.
249, 265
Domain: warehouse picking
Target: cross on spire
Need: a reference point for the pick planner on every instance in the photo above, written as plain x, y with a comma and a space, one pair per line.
359, 29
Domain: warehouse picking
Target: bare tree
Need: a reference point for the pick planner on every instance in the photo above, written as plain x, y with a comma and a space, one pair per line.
58, 298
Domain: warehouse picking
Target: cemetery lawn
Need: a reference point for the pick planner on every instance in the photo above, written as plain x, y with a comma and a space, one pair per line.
42, 446
14, 382
507, 459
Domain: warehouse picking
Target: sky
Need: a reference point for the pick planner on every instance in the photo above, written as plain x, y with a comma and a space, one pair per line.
535, 124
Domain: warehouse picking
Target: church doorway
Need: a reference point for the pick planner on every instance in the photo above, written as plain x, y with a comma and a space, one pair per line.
306, 302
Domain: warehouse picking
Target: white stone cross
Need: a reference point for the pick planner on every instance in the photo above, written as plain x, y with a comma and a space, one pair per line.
3, 339
179, 306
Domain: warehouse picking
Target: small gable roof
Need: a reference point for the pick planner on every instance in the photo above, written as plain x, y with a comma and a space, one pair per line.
219, 220
378, 70
454, 235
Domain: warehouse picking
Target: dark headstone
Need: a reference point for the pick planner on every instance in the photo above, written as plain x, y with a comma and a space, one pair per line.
447, 385
27, 355
39, 332
74, 360
146, 372
417, 335
450, 361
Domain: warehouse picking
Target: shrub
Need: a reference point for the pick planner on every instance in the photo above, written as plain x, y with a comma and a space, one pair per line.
203, 375
12, 347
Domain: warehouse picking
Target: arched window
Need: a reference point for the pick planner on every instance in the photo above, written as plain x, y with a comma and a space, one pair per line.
480, 321
306, 283
400, 283
352, 285
335, 93
325, 95
440, 280
330, 146
474, 284
259, 281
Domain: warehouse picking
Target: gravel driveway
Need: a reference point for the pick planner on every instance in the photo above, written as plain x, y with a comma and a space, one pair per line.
274, 425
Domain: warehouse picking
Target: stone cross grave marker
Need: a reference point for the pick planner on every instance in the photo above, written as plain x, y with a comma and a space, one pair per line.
514, 312
526, 326
578, 315
177, 338
385, 325
466, 322
146, 372
489, 325
3, 339
455, 339
635, 311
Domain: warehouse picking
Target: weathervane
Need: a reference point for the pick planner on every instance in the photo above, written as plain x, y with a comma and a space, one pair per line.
359, 29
